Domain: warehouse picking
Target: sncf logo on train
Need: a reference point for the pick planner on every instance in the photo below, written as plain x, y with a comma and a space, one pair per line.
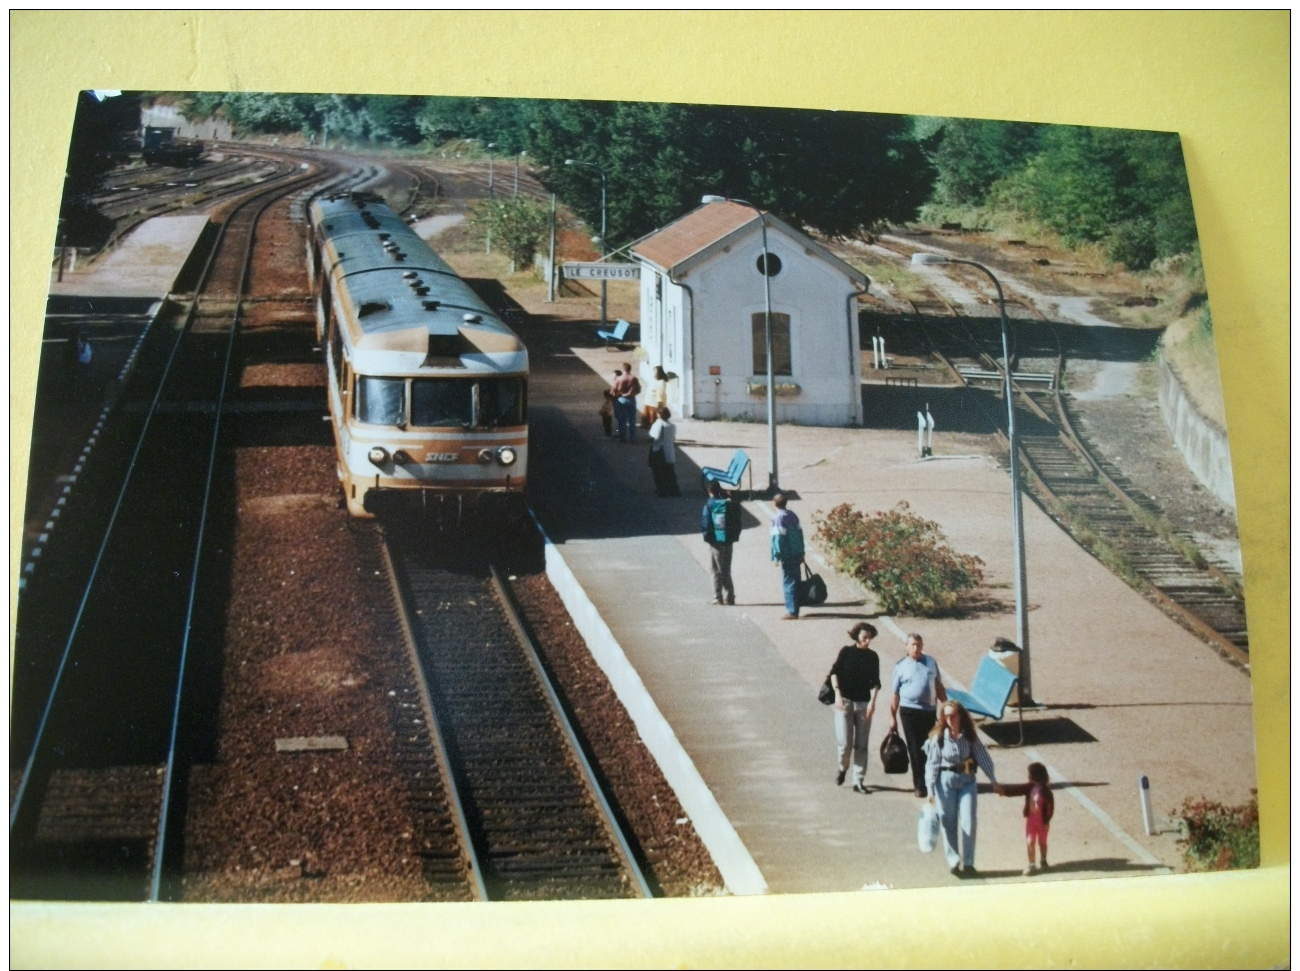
442, 457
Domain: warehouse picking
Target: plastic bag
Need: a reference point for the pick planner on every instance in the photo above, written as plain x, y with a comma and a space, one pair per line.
927, 828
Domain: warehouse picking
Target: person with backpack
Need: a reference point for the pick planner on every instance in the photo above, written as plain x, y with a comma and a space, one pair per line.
720, 521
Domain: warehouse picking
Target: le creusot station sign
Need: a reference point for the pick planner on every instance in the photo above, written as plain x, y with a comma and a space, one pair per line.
601, 271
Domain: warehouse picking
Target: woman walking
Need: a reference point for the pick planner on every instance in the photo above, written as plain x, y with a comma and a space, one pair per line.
855, 676
953, 751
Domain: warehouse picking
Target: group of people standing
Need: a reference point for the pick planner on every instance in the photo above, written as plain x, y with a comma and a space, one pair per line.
944, 750
619, 408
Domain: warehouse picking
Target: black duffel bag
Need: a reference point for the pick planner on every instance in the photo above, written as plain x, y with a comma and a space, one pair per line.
811, 589
893, 754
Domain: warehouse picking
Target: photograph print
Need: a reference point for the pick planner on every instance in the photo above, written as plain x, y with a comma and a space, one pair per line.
455, 499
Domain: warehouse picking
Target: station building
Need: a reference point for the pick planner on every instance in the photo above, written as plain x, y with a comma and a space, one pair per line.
703, 318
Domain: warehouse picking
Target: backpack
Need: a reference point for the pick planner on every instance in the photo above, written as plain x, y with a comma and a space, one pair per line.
718, 517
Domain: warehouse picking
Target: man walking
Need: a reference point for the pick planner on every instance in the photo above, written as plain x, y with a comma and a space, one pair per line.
916, 687
720, 521
787, 549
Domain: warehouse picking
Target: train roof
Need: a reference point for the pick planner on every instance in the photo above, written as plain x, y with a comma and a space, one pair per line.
399, 294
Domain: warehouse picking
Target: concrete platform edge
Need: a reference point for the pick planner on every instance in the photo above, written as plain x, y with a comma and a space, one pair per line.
739, 871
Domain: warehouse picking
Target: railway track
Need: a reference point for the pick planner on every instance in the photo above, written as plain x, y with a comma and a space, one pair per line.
1087, 495
534, 819
107, 626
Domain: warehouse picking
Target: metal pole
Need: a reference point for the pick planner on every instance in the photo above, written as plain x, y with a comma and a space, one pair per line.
771, 387
772, 477
1017, 512
491, 192
604, 246
604, 284
550, 275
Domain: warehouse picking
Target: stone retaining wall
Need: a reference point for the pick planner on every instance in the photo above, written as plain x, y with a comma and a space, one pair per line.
1203, 443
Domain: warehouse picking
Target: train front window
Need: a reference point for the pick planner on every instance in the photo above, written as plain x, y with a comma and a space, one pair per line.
500, 402
381, 401
442, 402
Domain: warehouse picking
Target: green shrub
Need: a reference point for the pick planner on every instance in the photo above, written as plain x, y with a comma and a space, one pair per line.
903, 559
1220, 837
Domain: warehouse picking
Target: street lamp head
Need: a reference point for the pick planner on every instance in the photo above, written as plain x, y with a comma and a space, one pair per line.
928, 259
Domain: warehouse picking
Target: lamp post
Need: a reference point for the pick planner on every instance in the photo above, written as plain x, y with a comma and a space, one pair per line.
1017, 514
772, 486
491, 191
518, 158
604, 284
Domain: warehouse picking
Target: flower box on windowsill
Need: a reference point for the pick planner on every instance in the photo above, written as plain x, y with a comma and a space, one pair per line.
787, 389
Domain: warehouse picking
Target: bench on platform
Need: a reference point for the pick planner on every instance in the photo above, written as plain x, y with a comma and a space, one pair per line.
989, 694
732, 474
616, 335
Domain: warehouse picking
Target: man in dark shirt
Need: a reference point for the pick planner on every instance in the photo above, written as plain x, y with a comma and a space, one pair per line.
855, 676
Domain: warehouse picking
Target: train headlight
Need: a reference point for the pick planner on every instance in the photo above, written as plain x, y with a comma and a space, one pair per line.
378, 455
506, 455
485, 456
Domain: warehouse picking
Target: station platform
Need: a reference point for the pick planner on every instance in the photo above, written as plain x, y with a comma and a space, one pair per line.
144, 264
749, 748
110, 304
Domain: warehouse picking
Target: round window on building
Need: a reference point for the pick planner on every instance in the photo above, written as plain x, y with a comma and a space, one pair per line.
769, 264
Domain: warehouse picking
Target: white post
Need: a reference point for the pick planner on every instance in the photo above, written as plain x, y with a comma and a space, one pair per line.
929, 430
920, 435
1144, 792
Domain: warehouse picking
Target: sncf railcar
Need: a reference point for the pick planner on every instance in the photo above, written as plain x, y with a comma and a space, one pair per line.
428, 389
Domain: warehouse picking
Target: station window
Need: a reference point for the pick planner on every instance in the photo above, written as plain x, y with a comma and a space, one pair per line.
781, 360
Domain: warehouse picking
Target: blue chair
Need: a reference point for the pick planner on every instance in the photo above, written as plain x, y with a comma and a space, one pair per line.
989, 694
732, 474
616, 335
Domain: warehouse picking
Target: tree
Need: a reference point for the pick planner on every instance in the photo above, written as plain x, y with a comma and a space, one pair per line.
970, 155
1125, 189
842, 173
517, 225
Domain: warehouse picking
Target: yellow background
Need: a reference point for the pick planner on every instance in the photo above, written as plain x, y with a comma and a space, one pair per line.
1220, 79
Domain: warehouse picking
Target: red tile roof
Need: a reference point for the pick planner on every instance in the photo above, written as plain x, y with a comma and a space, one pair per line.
695, 231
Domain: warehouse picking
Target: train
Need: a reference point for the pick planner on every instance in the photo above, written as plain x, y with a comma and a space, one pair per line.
160, 146
428, 388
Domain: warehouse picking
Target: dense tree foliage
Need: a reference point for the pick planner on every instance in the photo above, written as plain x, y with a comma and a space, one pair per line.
1125, 189
840, 173
379, 119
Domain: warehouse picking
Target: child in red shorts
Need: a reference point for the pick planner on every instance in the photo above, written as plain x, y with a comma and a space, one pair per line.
1039, 807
